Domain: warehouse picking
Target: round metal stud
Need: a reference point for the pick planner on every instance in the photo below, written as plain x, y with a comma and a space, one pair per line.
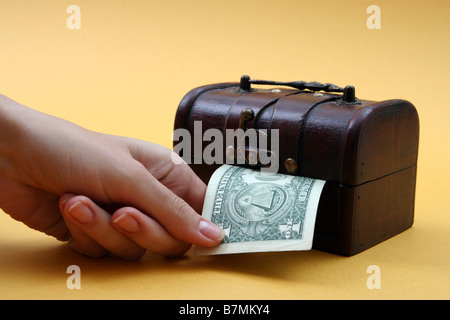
290, 165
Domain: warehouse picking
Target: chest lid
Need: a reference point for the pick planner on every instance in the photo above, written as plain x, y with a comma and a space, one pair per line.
325, 132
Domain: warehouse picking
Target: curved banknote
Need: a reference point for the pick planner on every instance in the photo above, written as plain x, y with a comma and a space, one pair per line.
260, 211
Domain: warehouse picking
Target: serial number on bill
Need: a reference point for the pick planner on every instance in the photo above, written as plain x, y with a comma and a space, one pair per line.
226, 309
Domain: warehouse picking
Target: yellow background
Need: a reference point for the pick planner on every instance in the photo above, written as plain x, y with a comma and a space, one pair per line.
125, 71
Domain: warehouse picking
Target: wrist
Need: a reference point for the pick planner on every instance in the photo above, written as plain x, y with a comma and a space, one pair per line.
16, 123
8, 127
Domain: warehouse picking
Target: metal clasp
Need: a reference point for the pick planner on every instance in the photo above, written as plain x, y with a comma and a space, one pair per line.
249, 153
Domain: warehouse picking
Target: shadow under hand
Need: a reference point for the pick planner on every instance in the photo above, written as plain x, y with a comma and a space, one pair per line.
279, 265
49, 259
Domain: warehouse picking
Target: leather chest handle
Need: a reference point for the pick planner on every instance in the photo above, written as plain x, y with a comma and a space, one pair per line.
348, 93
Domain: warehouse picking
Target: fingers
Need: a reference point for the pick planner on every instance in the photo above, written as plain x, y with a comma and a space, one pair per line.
164, 200
92, 233
171, 194
147, 233
127, 234
172, 212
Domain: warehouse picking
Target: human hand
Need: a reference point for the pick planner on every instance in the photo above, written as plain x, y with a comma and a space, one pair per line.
64, 180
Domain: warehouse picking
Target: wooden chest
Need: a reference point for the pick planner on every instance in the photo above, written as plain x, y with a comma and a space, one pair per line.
365, 150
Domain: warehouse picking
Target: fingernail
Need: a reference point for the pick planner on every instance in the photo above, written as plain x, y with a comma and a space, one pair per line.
210, 230
127, 223
81, 212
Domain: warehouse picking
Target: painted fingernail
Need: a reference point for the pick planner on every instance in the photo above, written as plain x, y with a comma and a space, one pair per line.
210, 230
127, 223
81, 212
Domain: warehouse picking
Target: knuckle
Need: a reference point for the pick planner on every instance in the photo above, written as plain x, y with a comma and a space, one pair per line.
180, 209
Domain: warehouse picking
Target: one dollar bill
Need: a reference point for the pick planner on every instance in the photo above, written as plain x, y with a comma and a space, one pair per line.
260, 211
